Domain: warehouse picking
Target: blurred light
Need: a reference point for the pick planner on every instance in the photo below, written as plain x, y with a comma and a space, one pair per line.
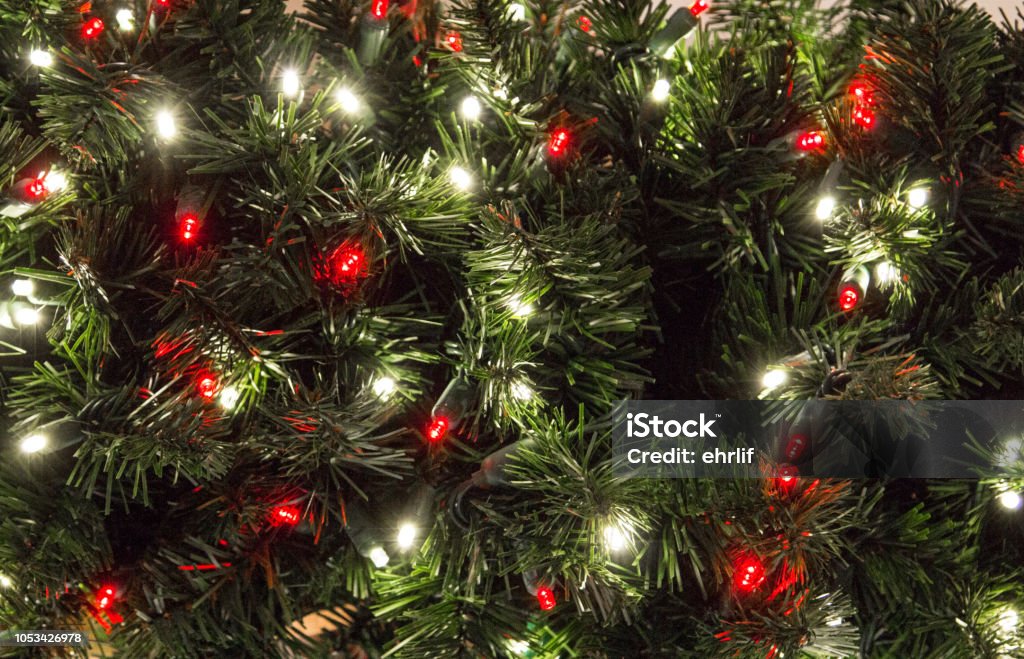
384, 387
348, 101
826, 206
471, 108
616, 535
774, 379
229, 397
516, 12
864, 117
1010, 500
438, 428
460, 178
407, 533
519, 307
125, 20
5, 581
661, 90
917, 198
92, 28
105, 597
379, 557
290, 83
33, 443
810, 141
699, 7
54, 180
26, 316
166, 127
285, 516
522, 391
23, 287
1009, 620
886, 273
518, 647
39, 57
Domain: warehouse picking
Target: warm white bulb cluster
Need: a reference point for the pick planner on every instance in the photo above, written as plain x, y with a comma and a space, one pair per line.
33, 443
519, 307
825, 208
406, 537
661, 90
617, 535
291, 84
471, 108
125, 20
460, 178
384, 387
166, 125
228, 397
1011, 500
41, 58
379, 557
773, 379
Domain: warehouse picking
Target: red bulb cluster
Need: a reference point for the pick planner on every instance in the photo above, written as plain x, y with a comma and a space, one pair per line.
105, 597
36, 188
546, 598
92, 28
699, 7
1020, 154
207, 385
584, 23
864, 117
849, 297
189, 226
454, 41
438, 428
748, 574
558, 143
810, 141
795, 447
864, 99
786, 478
379, 9
285, 516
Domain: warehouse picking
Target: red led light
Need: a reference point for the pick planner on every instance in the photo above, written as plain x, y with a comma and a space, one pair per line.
558, 142
810, 141
92, 28
379, 9
285, 516
1020, 154
786, 478
36, 188
454, 41
189, 226
795, 447
438, 428
546, 598
699, 7
344, 266
864, 117
861, 91
105, 597
206, 385
748, 573
584, 23
849, 297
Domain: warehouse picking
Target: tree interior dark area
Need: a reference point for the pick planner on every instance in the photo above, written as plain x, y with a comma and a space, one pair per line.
314, 326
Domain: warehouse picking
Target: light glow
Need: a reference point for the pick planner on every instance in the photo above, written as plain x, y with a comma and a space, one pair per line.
917, 198
516, 12
23, 287
166, 126
661, 90
349, 102
1010, 500
33, 443
228, 397
616, 535
460, 178
406, 537
1009, 620
290, 83
40, 57
774, 379
825, 208
125, 20
519, 307
379, 557
26, 316
384, 387
471, 108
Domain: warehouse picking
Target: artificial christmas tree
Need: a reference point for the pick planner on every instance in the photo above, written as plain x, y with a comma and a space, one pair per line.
318, 323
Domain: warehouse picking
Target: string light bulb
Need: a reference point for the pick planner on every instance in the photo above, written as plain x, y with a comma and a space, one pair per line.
616, 535
546, 598
92, 28
384, 387
105, 597
33, 443
661, 90
290, 83
228, 397
285, 516
917, 197
348, 101
1011, 500
5, 581
406, 537
519, 307
438, 428
23, 287
471, 108
41, 58
825, 208
748, 573
189, 226
813, 140
886, 273
460, 178
699, 7
379, 557
166, 126
125, 20
773, 379
1009, 620
516, 11
558, 142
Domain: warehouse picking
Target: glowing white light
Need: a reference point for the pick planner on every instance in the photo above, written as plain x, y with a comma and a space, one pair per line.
522, 391
518, 647
774, 379
661, 90
290, 83
1009, 620
917, 197
912, 233
886, 273
166, 126
384, 386
379, 557
1011, 500
125, 20
228, 397
826, 206
471, 108
40, 57
519, 307
56, 180
26, 316
23, 287
460, 178
834, 622
500, 93
348, 101
517, 12
616, 536
407, 533
33, 443
5, 581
